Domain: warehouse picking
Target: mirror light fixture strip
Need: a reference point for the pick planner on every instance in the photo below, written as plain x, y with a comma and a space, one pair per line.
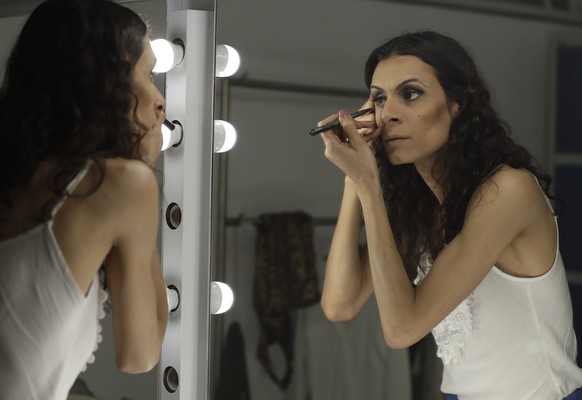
187, 183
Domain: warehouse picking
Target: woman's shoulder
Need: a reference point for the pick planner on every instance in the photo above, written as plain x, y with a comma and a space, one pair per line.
123, 183
513, 185
128, 172
127, 177
509, 178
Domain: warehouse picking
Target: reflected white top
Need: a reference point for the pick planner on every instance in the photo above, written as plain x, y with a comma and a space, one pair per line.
49, 329
511, 339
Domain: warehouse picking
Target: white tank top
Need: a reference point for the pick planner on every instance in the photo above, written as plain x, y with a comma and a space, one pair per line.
511, 339
49, 329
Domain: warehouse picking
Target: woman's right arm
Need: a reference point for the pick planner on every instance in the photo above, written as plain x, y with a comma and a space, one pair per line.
347, 284
348, 280
133, 271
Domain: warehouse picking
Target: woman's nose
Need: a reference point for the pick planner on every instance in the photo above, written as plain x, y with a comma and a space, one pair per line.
390, 115
160, 103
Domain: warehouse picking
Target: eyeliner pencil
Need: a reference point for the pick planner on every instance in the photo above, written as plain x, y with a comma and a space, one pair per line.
335, 123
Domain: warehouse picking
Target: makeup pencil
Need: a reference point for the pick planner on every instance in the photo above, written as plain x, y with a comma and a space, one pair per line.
336, 122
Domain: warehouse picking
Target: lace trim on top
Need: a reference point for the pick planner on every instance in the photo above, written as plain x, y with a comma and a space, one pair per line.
451, 332
102, 297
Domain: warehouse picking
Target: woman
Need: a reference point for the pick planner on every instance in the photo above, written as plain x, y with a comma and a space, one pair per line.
80, 124
461, 239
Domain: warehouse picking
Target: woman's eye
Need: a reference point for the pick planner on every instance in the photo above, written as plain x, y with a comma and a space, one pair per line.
411, 94
379, 99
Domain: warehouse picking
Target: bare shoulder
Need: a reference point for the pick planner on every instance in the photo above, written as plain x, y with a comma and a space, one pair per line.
512, 196
514, 177
510, 185
127, 181
129, 177
128, 187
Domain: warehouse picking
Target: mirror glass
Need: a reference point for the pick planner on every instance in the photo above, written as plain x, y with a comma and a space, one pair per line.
301, 62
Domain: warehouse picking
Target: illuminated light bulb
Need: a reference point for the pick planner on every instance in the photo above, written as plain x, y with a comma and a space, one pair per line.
221, 297
224, 136
168, 54
173, 297
227, 61
171, 134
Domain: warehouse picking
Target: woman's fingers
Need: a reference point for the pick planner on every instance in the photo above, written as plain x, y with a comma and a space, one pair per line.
330, 137
365, 126
329, 119
372, 134
349, 126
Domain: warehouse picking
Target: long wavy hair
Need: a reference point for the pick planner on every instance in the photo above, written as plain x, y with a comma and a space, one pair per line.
67, 92
479, 142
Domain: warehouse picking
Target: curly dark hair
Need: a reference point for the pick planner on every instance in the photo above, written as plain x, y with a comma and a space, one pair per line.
479, 142
67, 92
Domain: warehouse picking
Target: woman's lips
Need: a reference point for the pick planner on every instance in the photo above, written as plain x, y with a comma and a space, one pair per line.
393, 139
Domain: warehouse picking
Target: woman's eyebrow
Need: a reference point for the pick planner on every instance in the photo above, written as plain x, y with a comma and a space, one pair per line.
400, 85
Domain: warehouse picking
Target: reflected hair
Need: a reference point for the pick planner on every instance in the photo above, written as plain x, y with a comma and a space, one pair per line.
67, 93
479, 142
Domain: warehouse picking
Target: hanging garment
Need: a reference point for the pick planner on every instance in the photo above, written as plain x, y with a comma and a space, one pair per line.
233, 382
285, 279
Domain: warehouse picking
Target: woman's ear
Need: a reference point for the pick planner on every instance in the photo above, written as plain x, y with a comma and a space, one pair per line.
454, 109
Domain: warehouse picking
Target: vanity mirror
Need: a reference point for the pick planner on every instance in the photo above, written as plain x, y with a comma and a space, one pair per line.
302, 61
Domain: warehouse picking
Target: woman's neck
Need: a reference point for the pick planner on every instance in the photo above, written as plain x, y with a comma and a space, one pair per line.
427, 174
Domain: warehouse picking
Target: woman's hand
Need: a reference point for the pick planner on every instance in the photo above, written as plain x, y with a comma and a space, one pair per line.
347, 147
366, 124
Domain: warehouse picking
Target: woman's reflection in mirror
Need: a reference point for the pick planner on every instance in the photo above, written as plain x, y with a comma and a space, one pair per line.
461, 239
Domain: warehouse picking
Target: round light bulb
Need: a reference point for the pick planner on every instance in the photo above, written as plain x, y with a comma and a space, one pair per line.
168, 55
221, 297
171, 134
224, 136
166, 137
227, 61
173, 297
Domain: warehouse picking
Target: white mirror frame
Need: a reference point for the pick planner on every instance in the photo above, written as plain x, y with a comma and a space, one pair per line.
186, 248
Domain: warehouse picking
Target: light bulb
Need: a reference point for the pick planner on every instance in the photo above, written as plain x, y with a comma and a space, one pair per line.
227, 61
221, 297
168, 54
173, 297
171, 134
224, 136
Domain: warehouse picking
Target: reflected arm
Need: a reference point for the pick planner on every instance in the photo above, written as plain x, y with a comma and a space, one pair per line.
347, 283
